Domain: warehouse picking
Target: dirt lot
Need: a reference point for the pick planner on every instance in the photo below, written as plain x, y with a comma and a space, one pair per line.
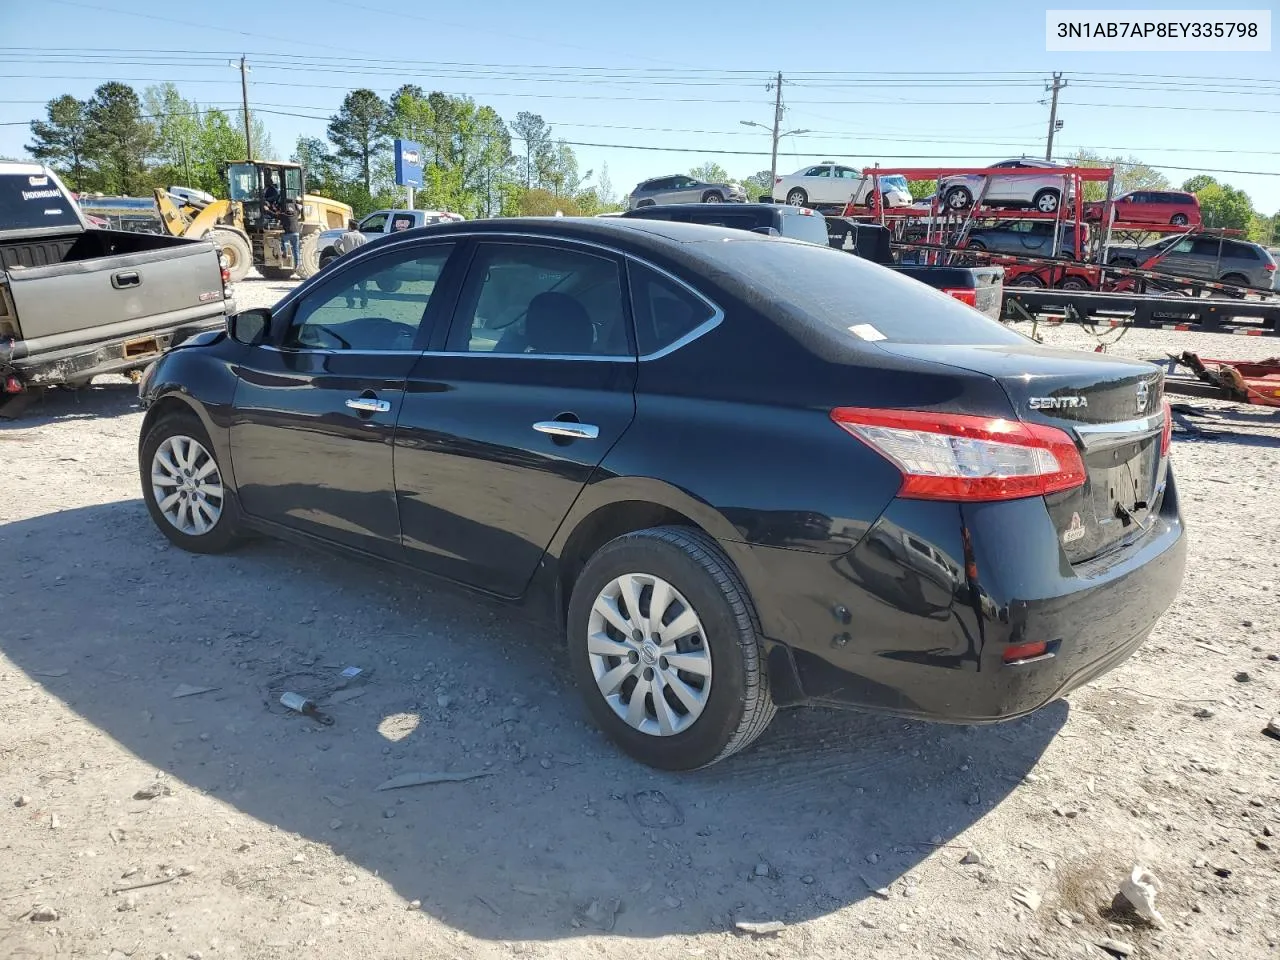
266, 837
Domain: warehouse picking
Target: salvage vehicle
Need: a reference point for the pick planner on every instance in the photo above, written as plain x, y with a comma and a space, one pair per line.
981, 287
740, 472
77, 301
382, 222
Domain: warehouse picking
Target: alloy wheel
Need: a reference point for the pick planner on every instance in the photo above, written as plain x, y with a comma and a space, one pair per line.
649, 654
187, 485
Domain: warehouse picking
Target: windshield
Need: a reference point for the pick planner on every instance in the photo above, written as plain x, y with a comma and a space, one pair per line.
243, 181
862, 300
29, 201
894, 182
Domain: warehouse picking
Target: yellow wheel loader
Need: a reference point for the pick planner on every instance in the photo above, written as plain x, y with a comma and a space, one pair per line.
247, 227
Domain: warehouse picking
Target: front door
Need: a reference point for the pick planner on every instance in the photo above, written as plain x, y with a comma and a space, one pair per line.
504, 422
315, 411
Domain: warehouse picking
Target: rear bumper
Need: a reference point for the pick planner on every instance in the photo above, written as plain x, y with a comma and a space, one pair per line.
69, 364
902, 625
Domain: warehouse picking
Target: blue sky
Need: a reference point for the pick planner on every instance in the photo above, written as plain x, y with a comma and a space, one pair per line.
675, 75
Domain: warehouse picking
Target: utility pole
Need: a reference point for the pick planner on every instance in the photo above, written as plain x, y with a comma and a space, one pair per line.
1058, 84
244, 94
777, 126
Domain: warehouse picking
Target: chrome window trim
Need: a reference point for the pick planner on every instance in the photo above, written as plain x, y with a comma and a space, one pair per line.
702, 329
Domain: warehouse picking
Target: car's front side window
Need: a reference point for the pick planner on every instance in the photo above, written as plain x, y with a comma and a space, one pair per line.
374, 305
374, 223
541, 300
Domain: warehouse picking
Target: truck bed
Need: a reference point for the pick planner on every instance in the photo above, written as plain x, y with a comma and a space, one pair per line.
89, 245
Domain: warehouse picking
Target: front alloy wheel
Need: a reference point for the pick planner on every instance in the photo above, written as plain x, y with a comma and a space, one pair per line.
649, 654
187, 486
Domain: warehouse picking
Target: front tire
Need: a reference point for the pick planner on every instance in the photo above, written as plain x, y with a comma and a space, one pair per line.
308, 255
1179, 220
236, 249
712, 196
664, 646
183, 486
958, 198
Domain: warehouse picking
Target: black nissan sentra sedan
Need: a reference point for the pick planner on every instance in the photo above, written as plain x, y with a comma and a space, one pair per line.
741, 471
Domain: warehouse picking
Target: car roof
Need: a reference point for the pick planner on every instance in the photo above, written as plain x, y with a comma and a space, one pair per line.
785, 209
21, 167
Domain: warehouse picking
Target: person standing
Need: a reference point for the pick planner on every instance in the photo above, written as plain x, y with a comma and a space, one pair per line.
350, 241
291, 221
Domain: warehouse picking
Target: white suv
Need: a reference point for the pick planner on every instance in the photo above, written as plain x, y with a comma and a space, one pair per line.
831, 183
1043, 193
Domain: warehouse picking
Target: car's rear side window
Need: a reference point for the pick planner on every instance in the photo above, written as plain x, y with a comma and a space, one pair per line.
860, 299
664, 310
1231, 248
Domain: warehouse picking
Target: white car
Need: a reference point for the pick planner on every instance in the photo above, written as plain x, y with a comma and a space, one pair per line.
1043, 193
831, 183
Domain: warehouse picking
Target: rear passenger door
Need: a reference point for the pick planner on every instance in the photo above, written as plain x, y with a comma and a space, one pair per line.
505, 420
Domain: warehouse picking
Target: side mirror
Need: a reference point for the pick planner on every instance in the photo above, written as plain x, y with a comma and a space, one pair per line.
250, 327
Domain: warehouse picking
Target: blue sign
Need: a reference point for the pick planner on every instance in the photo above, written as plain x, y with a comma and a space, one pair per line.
408, 163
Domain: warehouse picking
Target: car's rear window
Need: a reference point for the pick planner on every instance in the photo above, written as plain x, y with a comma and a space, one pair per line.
862, 300
28, 201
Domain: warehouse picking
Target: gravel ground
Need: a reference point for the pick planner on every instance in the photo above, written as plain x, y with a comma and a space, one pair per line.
262, 835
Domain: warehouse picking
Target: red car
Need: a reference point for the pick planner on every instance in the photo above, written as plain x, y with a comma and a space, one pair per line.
1152, 206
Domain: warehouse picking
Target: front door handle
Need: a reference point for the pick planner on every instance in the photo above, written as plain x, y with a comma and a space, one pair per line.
369, 405
568, 428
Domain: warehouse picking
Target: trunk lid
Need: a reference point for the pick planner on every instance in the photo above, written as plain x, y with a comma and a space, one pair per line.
1110, 406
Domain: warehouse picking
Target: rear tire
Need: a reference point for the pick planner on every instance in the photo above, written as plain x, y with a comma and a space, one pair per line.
1046, 201
1029, 280
710, 624
1074, 283
797, 197
174, 461
1179, 220
236, 249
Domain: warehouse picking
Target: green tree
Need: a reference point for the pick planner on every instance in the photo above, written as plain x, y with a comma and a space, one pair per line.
62, 140
263, 148
1130, 174
604, 188
177, 123
219, 142
359, 130
119, 137
538, 148
710, 172
1198, 182
538, 202
412, 117
922, 189
759, 184
323, 172
1223, 206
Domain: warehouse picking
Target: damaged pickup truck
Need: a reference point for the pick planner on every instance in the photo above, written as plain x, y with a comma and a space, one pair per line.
76, 301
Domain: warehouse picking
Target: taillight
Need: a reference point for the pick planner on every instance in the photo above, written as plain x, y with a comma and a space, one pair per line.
963, 294
226, 277
12, 385
1166, 435
1268, 267
949, 456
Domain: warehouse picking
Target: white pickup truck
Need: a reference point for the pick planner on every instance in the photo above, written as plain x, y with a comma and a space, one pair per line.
382, 222
76, 301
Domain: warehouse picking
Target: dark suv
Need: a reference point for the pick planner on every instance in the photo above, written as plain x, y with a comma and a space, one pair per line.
1203, 257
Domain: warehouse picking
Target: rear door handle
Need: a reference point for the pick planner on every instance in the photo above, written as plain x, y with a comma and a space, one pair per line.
568, 428
369, 405
122, 280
